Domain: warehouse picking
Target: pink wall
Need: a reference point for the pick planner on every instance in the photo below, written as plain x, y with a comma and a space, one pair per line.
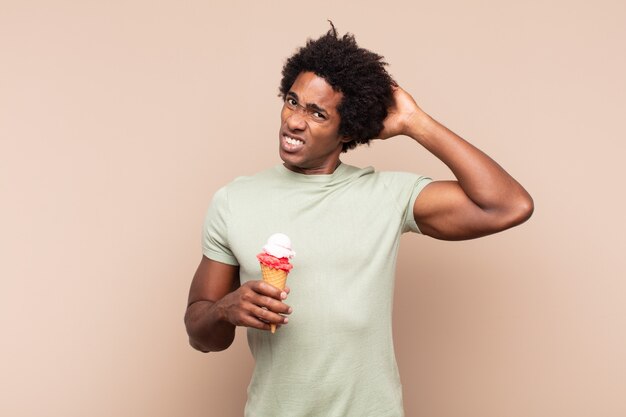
118, 121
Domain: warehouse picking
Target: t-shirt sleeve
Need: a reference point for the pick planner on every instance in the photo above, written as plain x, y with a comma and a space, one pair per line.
215, 230
405, 188
409, 223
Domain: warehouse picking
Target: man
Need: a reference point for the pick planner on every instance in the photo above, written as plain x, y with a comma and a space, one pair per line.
333, 354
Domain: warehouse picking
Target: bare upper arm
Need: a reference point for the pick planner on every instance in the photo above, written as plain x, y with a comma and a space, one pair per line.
442, 210
212, 281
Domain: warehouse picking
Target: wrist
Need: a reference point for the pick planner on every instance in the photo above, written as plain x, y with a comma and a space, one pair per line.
220, 311
418, 125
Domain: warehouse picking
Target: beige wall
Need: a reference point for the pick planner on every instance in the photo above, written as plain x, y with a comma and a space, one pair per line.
118, 120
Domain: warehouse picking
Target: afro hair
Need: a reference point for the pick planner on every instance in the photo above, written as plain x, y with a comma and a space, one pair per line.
357, 73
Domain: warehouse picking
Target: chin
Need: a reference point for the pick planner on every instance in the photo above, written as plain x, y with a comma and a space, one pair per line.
292, 164
289, 159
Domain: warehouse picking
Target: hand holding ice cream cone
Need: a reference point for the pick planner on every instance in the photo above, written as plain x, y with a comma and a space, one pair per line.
274, 262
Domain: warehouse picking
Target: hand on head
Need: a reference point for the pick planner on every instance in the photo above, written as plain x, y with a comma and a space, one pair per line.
400, 114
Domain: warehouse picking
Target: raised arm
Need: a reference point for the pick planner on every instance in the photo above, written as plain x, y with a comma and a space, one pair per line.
483, 200
217, 304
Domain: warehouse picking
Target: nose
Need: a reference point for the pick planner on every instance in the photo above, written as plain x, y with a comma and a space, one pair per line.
296, 120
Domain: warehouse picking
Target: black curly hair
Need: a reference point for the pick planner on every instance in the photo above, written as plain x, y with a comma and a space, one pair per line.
356, 72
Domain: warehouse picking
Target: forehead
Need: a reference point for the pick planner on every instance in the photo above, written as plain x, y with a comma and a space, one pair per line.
312, 89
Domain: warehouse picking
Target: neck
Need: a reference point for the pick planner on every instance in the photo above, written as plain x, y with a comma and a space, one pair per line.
322, 170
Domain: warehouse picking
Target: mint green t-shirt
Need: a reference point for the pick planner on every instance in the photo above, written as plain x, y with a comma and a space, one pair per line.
335, 358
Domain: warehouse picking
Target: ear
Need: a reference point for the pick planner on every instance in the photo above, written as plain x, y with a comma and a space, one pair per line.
345, 139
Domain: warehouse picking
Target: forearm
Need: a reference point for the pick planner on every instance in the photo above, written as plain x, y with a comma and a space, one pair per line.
206, 327
485, 182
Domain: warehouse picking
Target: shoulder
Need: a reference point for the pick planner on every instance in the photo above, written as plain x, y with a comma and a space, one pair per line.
394, 181
403, 187
245, 182
394, 176
402, 180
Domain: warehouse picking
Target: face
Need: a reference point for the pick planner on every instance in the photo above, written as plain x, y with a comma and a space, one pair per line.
309, 138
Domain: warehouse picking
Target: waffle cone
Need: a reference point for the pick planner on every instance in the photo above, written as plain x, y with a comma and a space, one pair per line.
275, 277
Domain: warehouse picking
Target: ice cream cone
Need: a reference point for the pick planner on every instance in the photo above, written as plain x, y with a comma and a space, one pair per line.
275, 277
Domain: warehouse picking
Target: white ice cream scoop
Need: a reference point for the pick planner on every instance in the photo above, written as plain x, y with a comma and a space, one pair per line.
279, 245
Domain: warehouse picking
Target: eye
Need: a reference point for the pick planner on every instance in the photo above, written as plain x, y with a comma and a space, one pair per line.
318, 115
291, 102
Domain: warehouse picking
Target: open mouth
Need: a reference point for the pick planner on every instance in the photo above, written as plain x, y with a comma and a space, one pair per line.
292, 141
291, 144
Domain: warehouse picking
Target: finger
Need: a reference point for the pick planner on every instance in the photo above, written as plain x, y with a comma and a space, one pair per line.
266, 289
271, 304
250, 297
255, 323
268, 316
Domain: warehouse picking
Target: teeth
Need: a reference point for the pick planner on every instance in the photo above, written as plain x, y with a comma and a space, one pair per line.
293, 141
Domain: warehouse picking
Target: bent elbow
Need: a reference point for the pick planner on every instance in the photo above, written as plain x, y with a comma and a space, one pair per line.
521, 211
215, 346
197, 346
526, 208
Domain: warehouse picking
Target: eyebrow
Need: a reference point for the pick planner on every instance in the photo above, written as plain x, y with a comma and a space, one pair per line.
308, 106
